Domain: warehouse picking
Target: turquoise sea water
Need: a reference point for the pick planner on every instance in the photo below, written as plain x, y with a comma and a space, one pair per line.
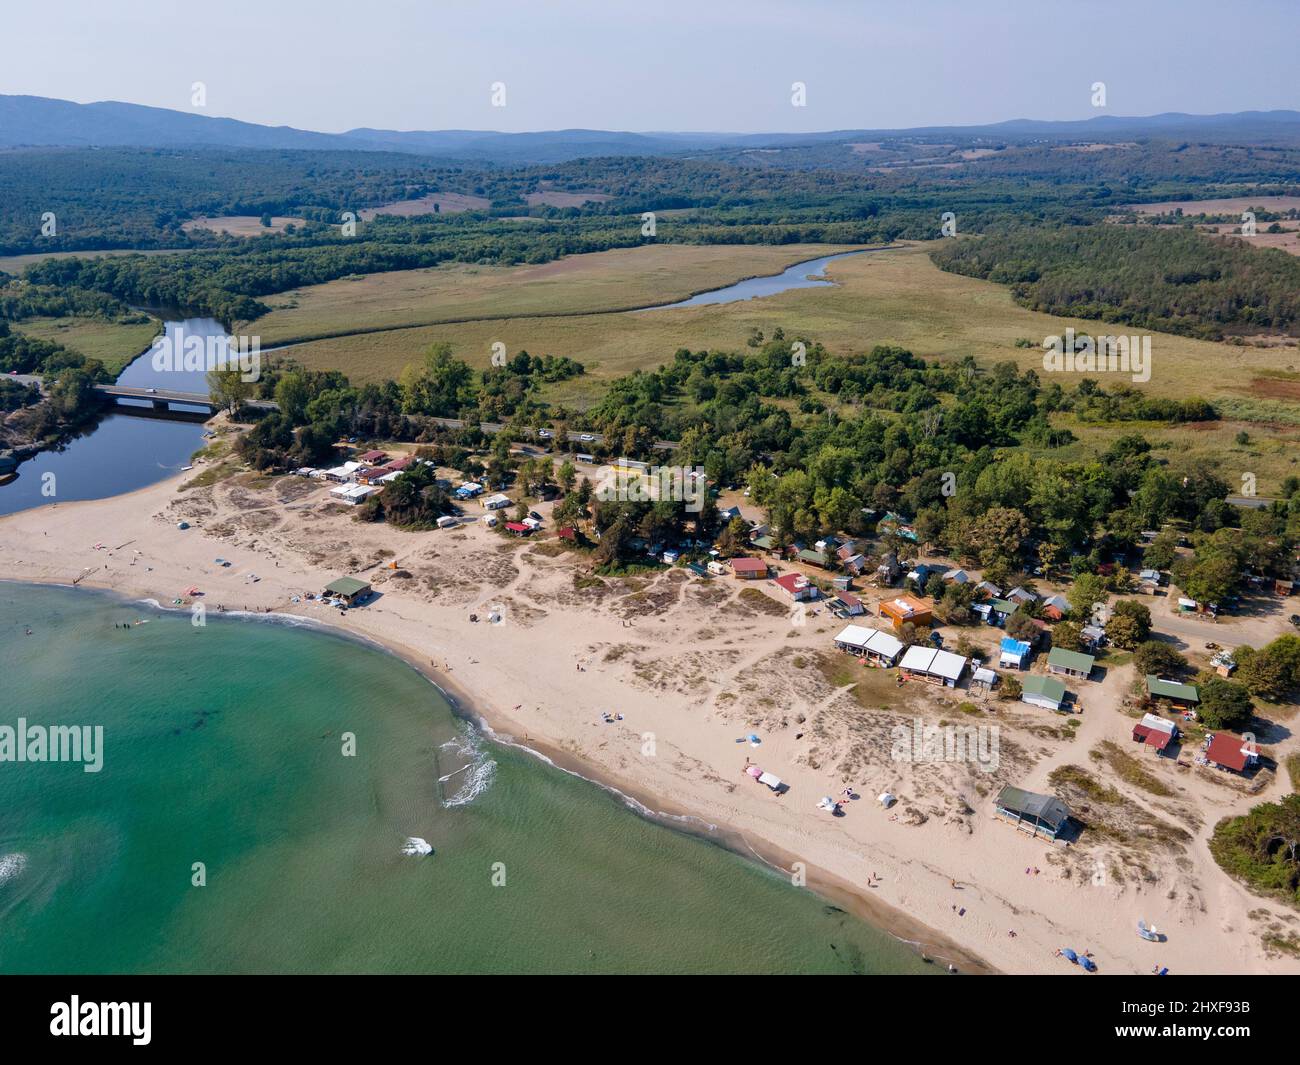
223, 745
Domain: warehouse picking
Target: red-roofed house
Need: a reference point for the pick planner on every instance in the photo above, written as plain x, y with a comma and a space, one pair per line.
518, 528
567, 532
749, 569
373, 458
1155, 732
1227, 751
797, 586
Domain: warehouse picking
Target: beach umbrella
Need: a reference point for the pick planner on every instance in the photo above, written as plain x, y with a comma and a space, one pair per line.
754, 771
1069, 955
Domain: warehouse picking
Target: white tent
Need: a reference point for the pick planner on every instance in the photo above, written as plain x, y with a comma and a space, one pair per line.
886, 799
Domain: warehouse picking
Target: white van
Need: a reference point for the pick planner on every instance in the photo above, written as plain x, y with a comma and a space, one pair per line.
447, 522
490, 520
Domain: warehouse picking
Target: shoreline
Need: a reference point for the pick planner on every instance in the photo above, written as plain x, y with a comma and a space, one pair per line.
929, 944
689, 664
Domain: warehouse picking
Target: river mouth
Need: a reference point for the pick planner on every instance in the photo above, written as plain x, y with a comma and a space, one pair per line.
122, 451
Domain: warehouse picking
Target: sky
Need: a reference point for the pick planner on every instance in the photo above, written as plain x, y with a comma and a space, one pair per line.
708, 65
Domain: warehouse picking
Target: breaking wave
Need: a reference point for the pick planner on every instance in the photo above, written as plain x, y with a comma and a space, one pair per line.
11, 866
474, 777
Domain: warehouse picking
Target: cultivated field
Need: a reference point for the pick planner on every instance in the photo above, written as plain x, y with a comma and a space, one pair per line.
113, 344
601, 281
445, 202
1234, 205
241, 225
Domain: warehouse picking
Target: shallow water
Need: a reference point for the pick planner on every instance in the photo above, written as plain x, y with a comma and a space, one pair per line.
224, 745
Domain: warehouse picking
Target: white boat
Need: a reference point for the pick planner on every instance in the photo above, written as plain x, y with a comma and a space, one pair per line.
416, 847
1148, 932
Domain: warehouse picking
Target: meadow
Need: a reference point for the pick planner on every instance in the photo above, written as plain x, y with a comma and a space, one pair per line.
112, 343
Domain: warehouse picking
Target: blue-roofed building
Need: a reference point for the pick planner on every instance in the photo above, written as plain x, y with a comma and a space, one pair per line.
1014, 653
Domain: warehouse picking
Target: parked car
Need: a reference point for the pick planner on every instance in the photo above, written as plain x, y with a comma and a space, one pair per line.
586, 438
1295, 620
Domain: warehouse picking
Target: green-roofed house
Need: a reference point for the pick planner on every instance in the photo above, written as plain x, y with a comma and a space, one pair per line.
1069, 663
764, 543
1179, 694
812, 558
1047, 692
349, 589
1041, 815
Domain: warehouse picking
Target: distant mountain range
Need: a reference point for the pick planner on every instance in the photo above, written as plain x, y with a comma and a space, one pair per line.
37, 121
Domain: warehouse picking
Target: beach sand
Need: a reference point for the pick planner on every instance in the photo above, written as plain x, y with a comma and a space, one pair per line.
695, 667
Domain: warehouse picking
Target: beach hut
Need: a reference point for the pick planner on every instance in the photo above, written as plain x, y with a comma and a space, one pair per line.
1013, 653
1069, 663
1155, 732
1040, 815
929, 664
1182, 695
984, 678
748, 569
1226, 751
349, 589
1047, 692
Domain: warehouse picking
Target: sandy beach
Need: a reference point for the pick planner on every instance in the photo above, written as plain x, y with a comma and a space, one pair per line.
695, 667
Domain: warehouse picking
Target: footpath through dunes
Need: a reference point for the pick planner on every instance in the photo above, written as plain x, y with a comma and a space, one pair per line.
594, 283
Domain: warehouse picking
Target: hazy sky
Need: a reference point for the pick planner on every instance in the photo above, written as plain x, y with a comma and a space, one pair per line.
657, 65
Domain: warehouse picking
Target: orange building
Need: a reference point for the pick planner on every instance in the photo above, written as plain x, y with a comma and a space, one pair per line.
905, 608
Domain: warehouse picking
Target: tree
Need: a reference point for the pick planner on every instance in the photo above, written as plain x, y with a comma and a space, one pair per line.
734, 539
1129, 624
438, 386
1021, 626
1224, 704
1158, 658
1086, 592
227, 388
567, 476
1010, 687
1068, 635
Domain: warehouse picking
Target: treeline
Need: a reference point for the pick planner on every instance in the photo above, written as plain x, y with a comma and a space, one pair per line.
24, 354
1174, 281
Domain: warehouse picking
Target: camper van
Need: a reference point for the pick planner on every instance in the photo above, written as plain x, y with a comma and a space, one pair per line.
447, 522
490, 520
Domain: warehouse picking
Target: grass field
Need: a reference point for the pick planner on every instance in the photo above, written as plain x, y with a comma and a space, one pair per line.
114, 345
15, 264
896, 296
598, 282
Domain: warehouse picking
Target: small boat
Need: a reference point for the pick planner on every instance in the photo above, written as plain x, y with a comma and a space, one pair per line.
417, 847
1148, 932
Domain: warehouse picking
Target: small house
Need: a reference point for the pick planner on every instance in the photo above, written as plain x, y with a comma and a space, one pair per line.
930, 664
897, 525
797, 587
987, 590
877, 647
567, 532
1055, 607
1093, 635
1155, 732
842, 582
1181, 695
1069, 663
998, 611
726, 515
1226, 751
886, 573
1019, 595
1013, 653
956, 576
904, 609
518, 528
749, 569
850, 604
497, 502
353, 494
373, 458
1047, 692
349, 589
984, 679
1149, 580
469, 490
1040, 815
